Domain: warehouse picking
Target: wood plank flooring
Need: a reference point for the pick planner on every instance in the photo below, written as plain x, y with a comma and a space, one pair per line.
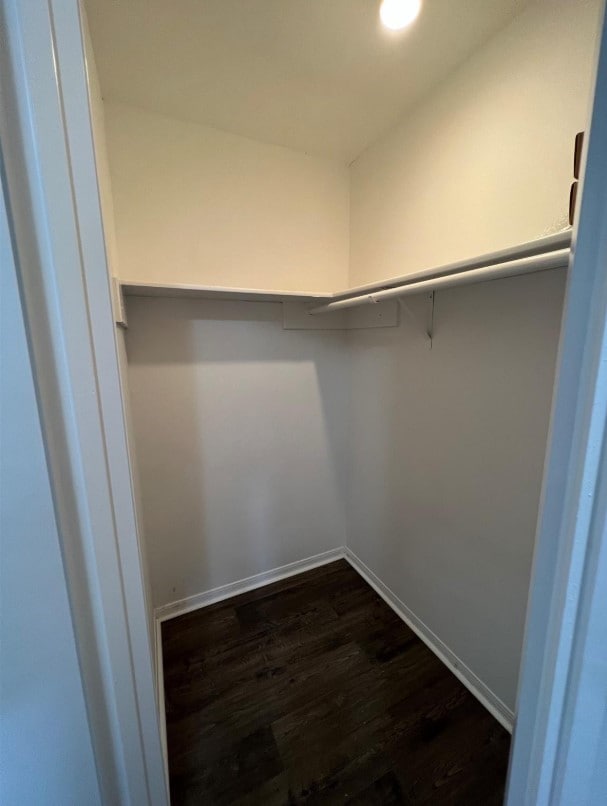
311, 690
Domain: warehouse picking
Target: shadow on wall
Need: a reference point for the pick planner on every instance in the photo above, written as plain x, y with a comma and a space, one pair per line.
240, 439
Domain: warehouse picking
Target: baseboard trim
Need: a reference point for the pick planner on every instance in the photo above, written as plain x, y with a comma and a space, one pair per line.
162, 719
182, 606
465, 675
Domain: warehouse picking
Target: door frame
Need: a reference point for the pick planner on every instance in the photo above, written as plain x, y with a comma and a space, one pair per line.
52, 199
559, 730
53, 203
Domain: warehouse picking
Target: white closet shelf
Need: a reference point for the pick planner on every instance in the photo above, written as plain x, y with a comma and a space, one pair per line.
326, 302
137, 289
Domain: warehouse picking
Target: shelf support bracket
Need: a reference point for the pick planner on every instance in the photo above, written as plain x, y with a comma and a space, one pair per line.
427, 325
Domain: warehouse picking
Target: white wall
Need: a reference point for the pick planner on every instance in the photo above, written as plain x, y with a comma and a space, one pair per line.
197, 205
486, 160
241, 427
240, 435
448, 445
246, 435
447, 450
46, 751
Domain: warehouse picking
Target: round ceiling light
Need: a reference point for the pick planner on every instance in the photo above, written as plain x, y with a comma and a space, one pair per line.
397, 14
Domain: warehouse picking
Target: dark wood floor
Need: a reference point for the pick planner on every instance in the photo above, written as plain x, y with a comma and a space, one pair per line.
312, 690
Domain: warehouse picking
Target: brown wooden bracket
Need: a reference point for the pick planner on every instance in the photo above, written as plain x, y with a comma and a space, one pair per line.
577, 162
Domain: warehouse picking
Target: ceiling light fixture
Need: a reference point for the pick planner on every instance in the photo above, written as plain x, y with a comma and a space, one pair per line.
397, 14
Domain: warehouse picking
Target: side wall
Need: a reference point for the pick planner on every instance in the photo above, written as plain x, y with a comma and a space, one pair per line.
240, 436
486, 160
447, 451
448, 444
198, 205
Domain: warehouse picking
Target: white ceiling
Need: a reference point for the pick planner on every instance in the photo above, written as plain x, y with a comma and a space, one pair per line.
320, 76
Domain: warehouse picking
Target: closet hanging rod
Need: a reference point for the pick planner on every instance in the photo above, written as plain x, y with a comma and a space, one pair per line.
510, 268
548, 243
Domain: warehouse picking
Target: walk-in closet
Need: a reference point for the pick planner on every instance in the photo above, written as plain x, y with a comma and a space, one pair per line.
338, 243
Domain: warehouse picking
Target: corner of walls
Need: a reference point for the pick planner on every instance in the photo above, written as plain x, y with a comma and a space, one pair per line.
495, 706
237, 587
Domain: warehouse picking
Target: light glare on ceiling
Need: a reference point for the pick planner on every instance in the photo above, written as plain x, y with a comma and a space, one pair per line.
397, 14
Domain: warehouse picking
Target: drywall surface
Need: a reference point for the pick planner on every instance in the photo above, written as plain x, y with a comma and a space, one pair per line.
197, 205
45, 745
486, 160
240, 439
447, 450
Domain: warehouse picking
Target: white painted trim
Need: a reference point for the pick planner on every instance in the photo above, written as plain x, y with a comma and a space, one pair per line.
551, 243
513, 268
198, 600
160, 693
134, 288
53, 204
465, 675
558, 752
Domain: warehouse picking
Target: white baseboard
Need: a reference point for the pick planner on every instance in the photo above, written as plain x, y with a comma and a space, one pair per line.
160, 694
190, 603
466, 676
486, 697
200, 600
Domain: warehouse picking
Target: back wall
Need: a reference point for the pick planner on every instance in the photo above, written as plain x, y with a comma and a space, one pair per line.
198, 205
240, 439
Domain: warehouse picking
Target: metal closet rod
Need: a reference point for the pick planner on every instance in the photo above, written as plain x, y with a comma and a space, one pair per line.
510, 268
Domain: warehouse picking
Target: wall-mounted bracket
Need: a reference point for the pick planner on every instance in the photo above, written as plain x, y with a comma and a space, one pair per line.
297, 316
425, 321
118, 306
